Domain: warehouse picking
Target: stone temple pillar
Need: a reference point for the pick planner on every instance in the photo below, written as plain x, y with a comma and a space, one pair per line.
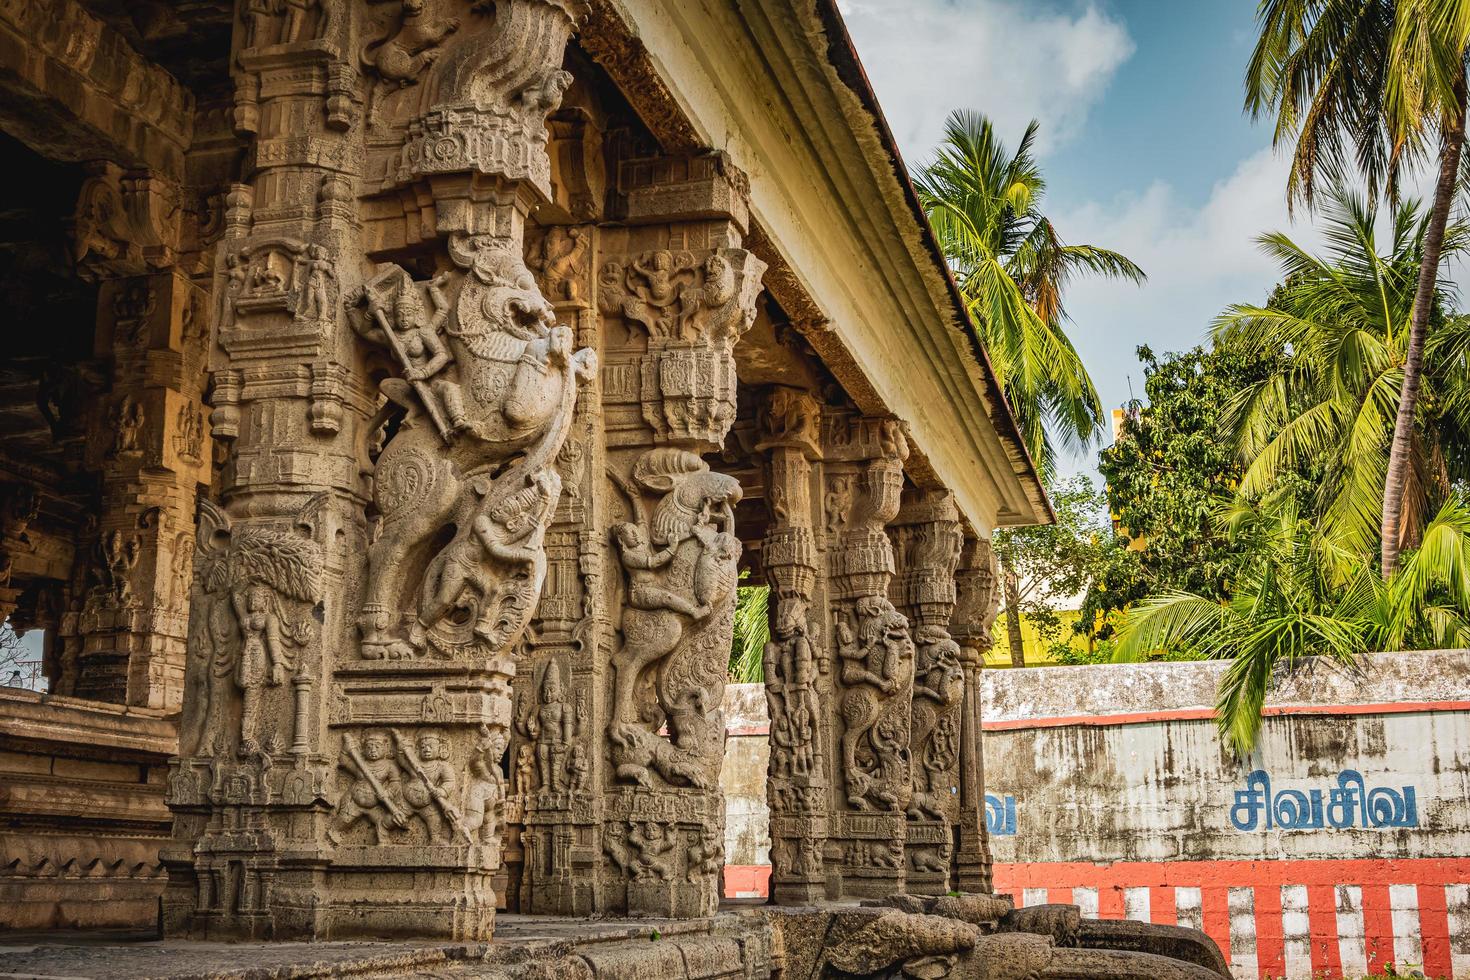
926, 544
977, 598
553, 803
150, 443
874, 659
394, 390
676, 292
797, 668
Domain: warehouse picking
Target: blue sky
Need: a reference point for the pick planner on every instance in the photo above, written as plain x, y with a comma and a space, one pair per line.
1144, 143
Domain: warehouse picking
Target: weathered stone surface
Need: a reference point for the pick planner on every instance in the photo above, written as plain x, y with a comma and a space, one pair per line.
430, 403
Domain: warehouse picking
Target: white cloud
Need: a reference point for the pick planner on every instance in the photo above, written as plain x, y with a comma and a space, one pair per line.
1014, 60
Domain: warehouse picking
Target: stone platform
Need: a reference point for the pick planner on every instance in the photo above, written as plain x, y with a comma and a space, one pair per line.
520, 941
954, 938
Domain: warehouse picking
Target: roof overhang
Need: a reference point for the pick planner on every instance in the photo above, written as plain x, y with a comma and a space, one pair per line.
777, 86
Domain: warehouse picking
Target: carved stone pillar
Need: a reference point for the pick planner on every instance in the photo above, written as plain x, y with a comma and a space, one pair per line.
874, 659
926, 539
381, 546
555, 738
976, 601
676, 292
126, 640
797, 666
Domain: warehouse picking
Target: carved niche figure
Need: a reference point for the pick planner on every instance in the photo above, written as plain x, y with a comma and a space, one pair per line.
518, 376
429, 786
189, 432
485, 793
938, 689
319, 280
706, 853
648, 853
253, 599
406, 46
127, 420
120, 554
873, 665
554, 727
791, 677
671, 294
131, 308
837, 504
260, 21
375, 792
682, 565
298, 13
559, 261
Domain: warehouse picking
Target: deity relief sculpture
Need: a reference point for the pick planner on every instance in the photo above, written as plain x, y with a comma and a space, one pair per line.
791, 676
117, 555
938, 689
876, 658
255, 588
693, 312
127, 421
504, 383
681, 563
558, 261
553, 726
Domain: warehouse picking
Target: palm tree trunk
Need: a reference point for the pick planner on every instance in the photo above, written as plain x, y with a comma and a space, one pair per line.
1013, 617
1453, 142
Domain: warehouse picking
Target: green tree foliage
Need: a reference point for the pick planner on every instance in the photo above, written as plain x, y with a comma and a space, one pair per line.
752, 632
1013, 268
1167, 474
1371, 86
1290, 603
1327, 408
1054, 562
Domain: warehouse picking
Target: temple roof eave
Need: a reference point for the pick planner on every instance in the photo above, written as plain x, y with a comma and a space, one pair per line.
853, 261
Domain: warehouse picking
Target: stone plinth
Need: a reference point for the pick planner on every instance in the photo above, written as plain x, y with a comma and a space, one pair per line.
81, 813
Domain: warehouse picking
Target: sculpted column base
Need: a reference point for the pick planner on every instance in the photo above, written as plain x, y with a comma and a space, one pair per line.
670, 847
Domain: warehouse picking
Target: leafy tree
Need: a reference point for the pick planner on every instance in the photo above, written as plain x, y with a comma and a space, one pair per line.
1327, 408
1369, 86
1167, 473
1012, 268
1052, 562
1286, 606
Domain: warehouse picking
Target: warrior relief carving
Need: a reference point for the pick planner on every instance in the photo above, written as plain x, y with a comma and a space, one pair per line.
406, 788
680, 563
487, 378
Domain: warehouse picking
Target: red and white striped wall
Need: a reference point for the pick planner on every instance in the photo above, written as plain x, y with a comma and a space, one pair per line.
1292, 919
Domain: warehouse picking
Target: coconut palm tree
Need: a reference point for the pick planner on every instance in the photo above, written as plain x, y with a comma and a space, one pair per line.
1343, 320
1371, 86
751, 633
1012, 267
1288, 604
